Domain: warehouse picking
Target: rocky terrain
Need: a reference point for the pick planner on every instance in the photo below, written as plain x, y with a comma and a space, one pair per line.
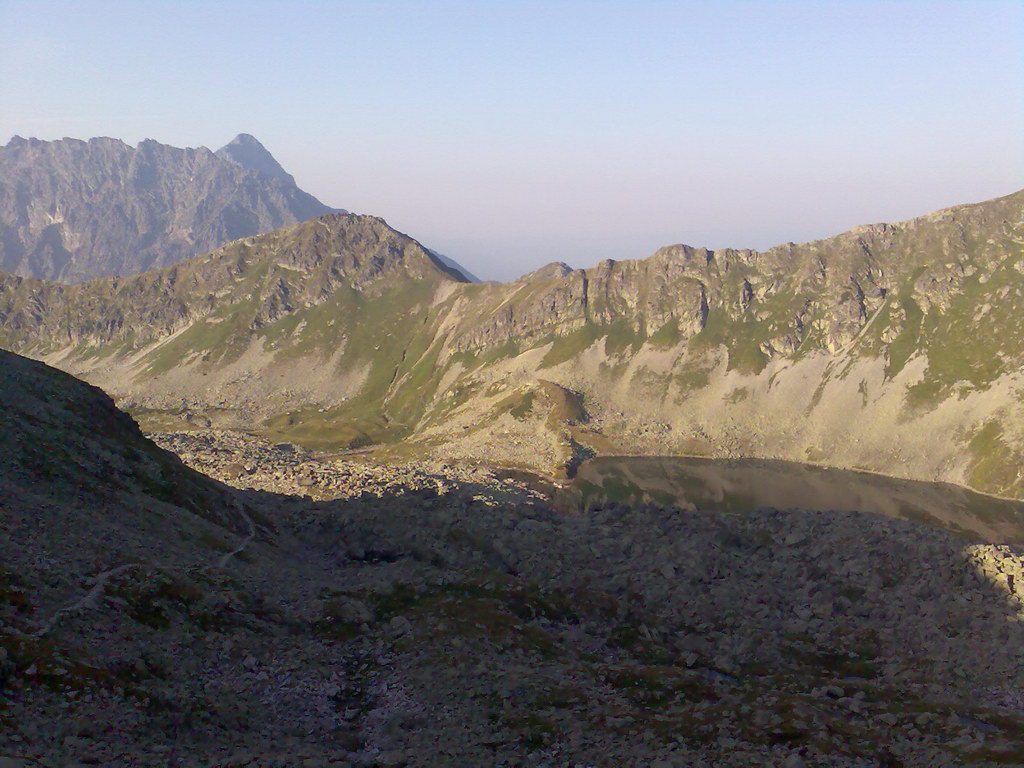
855, 351
253, 463
430, 614
71, 210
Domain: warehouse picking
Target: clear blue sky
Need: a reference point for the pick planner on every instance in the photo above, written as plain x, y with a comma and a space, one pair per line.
511, 134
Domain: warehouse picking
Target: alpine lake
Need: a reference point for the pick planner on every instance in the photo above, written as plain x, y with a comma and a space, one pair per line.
725, 486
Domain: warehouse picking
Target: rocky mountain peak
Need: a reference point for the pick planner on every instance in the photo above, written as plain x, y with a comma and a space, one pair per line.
71, 210
246, 151
552, 271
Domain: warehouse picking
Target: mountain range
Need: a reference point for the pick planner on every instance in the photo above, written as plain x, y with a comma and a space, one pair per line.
71, 210
893, 347
325, 551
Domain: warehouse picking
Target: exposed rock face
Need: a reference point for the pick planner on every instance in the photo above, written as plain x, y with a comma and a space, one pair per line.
825, 289
893, 347
71, 210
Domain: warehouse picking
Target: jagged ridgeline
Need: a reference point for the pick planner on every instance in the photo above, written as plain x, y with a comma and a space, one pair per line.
891, 347
71, 210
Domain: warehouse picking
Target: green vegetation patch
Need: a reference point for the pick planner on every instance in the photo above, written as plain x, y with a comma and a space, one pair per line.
564, 348
333, 429
738, 395
566, 405
694, 373
620, 336
523, 407
223, 335
416, 388
970, 340
518, 404
742, 339
968, 344
667, 336
907, 342
995, 466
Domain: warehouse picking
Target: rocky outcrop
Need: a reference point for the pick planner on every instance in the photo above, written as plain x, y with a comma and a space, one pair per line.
71, 210
828, 287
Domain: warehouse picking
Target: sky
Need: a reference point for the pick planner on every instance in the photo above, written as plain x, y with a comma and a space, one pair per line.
508, 135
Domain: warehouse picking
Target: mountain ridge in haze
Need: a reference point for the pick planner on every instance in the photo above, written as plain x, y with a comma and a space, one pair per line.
71, 210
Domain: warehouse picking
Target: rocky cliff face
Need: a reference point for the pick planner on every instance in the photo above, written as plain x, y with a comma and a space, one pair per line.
820, 293
892, 347
72, 210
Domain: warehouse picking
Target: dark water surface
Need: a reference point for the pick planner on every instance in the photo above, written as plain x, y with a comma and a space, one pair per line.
745, 485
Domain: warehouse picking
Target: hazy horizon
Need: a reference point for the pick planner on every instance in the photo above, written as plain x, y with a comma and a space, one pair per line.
507, 136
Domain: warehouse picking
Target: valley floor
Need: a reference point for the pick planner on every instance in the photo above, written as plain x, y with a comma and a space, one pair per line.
431, 614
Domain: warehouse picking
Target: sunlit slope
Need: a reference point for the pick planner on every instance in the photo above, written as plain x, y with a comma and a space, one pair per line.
893, 347
321, 310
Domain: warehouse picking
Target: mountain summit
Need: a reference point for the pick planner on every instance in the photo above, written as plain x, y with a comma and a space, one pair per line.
246, 151
71, 210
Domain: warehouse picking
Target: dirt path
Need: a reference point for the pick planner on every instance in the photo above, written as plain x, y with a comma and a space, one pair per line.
243, 543
92, 597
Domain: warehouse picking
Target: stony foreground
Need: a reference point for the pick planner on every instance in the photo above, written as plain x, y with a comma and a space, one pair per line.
426, 615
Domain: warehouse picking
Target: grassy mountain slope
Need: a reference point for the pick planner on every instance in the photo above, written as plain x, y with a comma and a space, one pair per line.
892, 347
321, 311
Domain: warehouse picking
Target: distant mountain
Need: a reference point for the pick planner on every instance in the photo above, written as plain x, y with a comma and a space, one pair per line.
453, 264
893, 347
72, 210
244, 150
